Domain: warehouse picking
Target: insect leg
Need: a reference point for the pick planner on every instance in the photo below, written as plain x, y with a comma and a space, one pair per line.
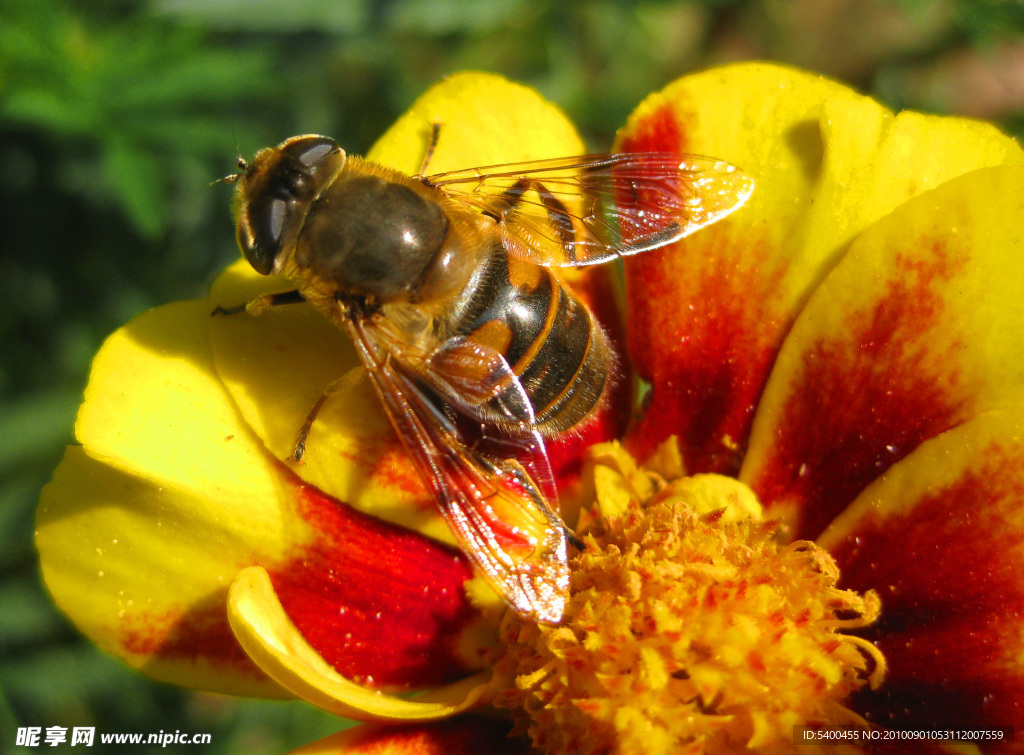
300, 443
435, 132
261, 303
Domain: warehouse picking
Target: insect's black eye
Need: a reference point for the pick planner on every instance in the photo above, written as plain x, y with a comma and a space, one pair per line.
301, 159
261, 234
311, 151
292, 182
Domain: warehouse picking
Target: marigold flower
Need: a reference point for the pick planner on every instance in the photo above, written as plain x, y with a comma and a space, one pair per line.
824, 525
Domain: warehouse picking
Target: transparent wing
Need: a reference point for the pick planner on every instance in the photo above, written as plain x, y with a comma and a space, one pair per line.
479, 453
585, 210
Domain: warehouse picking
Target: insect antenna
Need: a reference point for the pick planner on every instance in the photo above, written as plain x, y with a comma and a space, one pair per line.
230, 178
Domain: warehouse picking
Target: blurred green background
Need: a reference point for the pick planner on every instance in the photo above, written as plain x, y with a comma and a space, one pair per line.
114, 117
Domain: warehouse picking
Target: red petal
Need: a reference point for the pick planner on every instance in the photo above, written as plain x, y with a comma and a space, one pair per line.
865, 397
941, 539
383, 605
908, 336
707, 368
705, 321
709, 311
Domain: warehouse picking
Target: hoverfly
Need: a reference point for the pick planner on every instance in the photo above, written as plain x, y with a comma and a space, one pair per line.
477, 351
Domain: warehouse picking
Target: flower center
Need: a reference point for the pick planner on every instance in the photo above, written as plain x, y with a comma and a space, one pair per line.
689, 628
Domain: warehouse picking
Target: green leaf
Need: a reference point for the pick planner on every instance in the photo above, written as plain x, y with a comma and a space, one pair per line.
138, 181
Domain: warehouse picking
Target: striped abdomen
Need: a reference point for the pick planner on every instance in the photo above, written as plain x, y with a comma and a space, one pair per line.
551, 340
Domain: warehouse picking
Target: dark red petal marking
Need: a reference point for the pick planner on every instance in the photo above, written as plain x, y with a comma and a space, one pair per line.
867, 397
466, 735
201, 633
661, 131
703, 329
383, 605
707, 357
950, 573
384, 460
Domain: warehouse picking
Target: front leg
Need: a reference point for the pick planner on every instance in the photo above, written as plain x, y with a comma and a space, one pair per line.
344, 381
261, 303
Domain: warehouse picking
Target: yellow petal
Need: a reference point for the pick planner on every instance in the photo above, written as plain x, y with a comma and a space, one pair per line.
708, 315
913, 333
940, 537
270, 638
485, 119
276, 365
146, 525
143, 527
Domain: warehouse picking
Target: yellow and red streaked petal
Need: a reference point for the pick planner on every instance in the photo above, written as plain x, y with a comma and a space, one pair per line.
707, 315
275, 366
381, 604
466, 735
139, 535
152, 597
940, 537
145, 526
914, 332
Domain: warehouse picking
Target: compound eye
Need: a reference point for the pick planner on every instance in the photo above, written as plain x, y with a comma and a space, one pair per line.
262, 235
291, 183
302, 158
311, 151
